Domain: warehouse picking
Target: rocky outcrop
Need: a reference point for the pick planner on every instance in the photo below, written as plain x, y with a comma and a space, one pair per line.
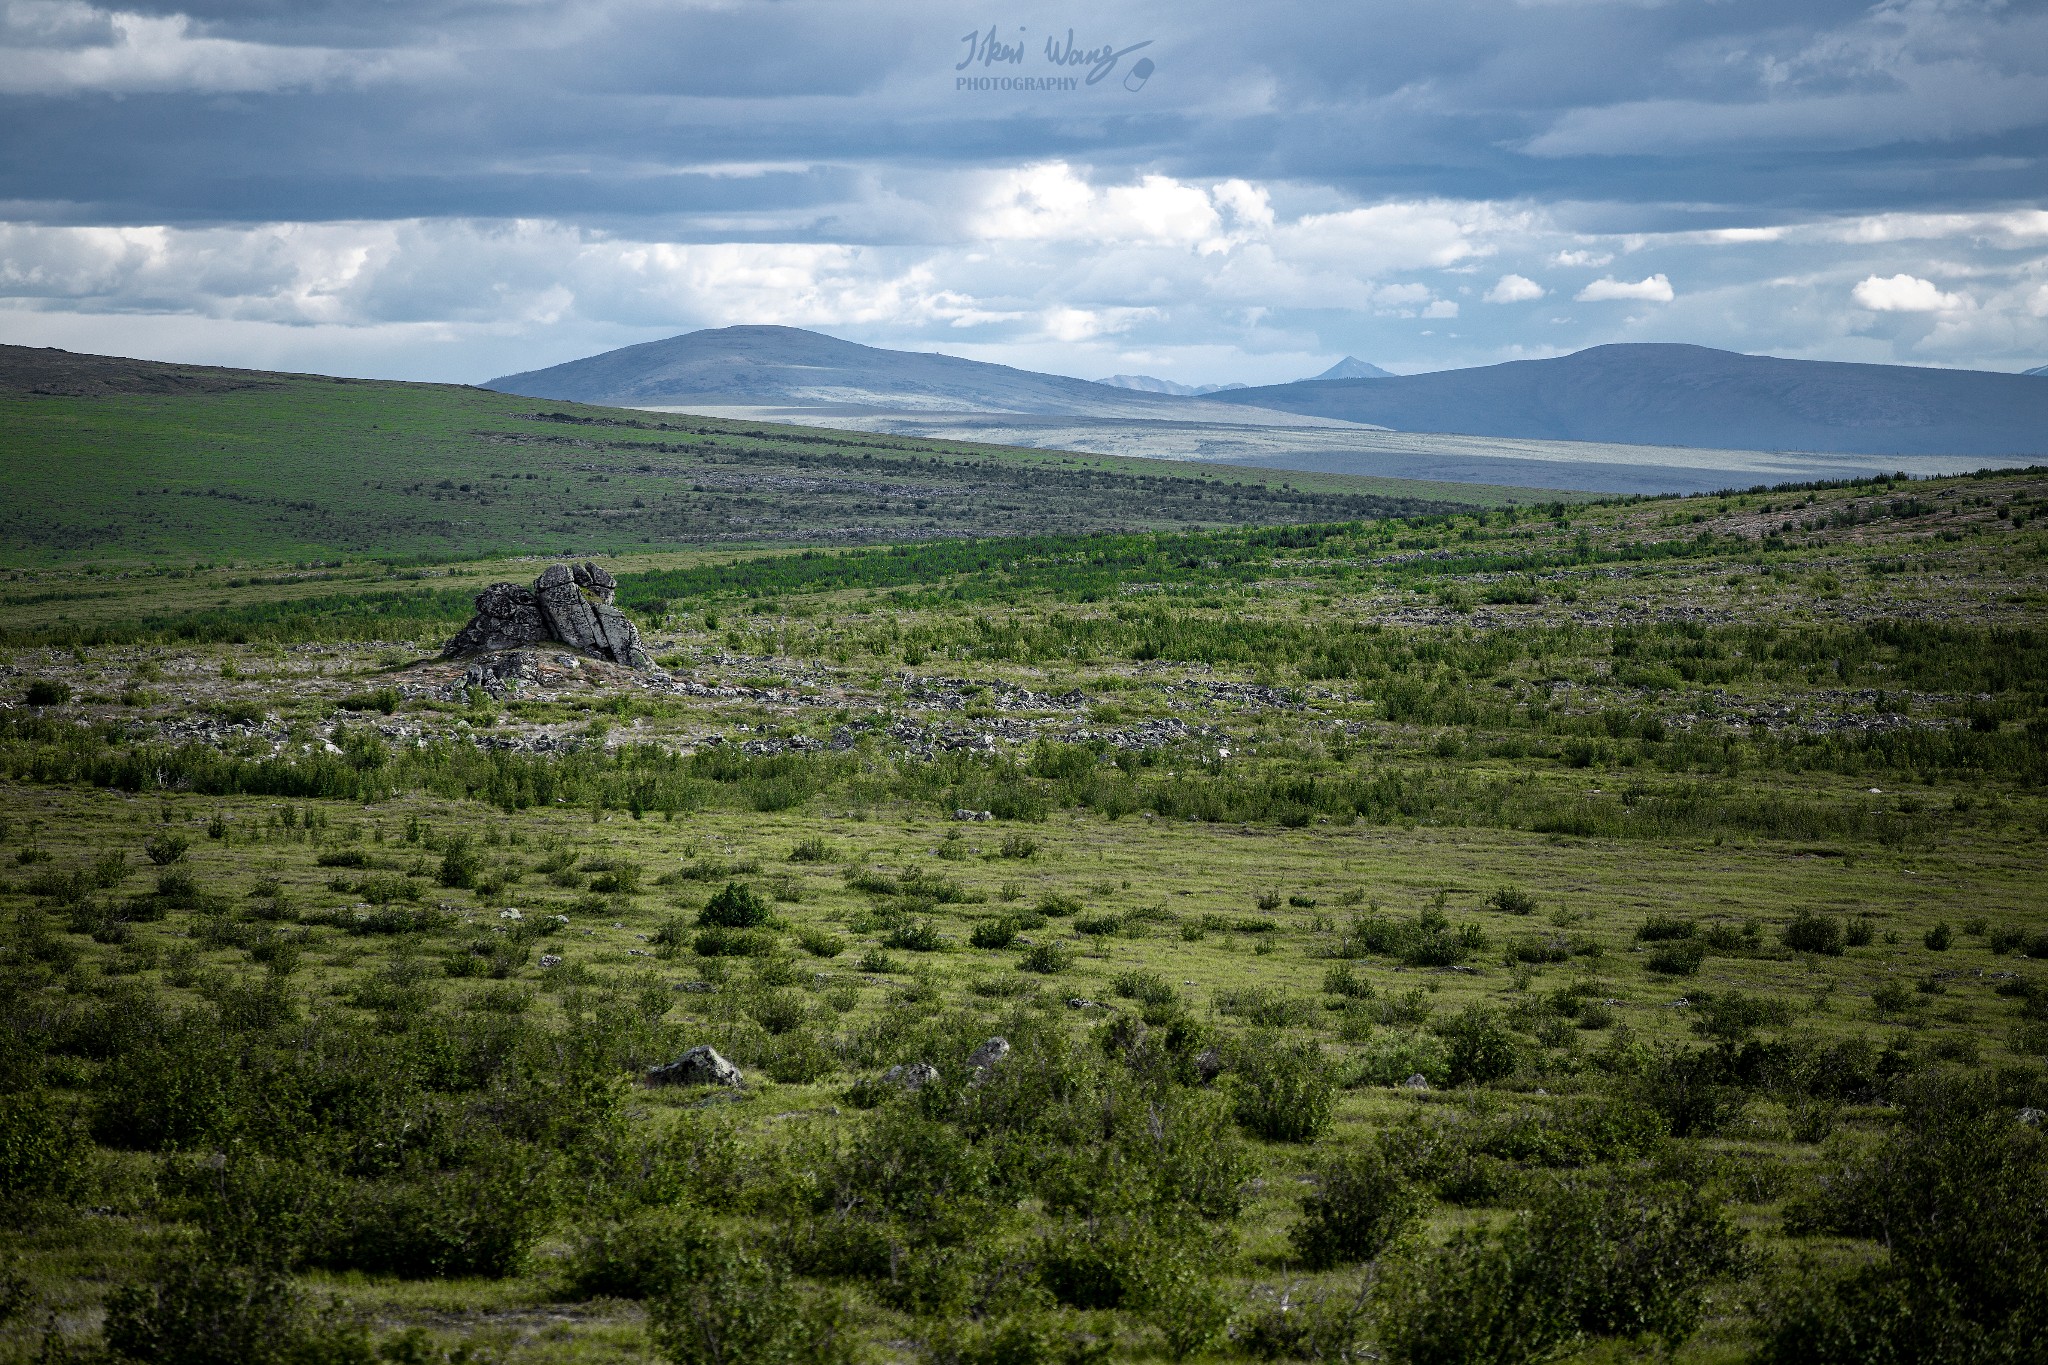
568, 605
701, 1065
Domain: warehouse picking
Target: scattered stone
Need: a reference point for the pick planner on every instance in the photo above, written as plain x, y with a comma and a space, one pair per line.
701, 1065
570, 606
912, 1078
987, 1058
1416, 1082
2032, 1117
1082, 1002
973, 815
548, 960
1208, 1064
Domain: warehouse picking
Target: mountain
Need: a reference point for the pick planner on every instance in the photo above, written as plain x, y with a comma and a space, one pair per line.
1350, 367
2038, 369
1145, 383
1655, 394
790, 367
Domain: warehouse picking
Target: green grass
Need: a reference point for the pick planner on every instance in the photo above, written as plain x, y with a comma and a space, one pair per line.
1525, 804
305, 468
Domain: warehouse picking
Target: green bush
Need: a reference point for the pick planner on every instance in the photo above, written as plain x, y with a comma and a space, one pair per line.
738, 1309
1391, 1058
1000, 932
385, 699
1811, 933
461, 863
1480, 1047
1359, 1206
643, 1257
1347, 981
917, 936
44, 1154
735, 906
1046, 957
44, 692
201, 1311
1939, 938
166, 847
1282, 1091
1666, 928
1680, 958
1586, 1262
819, 942
457, 1223
720, 942
1512, 900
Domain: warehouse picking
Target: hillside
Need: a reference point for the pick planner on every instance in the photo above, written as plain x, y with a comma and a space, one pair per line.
787, 366
115, 459
1695, 396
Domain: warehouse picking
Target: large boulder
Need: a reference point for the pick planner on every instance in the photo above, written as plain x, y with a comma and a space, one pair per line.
507, 617
701, 1065
571, 606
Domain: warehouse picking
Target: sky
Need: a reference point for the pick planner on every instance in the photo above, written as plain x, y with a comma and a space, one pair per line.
1204, 192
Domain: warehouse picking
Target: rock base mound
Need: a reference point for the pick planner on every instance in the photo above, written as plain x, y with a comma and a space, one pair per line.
568, 605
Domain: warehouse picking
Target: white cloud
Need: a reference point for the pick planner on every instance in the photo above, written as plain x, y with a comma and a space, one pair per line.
1515, 289
1051, 202
1905, 294
1441, 308
1655, 289
54, 47
1590, 260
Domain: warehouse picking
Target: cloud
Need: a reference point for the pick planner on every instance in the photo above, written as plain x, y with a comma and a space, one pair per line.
61, 47
1654, 289
1905, 294
1515, 289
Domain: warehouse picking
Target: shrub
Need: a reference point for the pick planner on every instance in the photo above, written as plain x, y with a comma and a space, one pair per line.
461, 863
1359, 1206
738, 1309
735, 906
202, 1311
777, 1011
1018, 845
643, 1257
1733, 1016
1264, 1006
1054, 905
385, 699
1148, 988
1664, 928
723, 942
1047, 958
1391, 1058
916, 936
994, 933
1811, 933
1100, 926
819, 942
617, 877
1346, 981
1282, 1092
166, 847
1939, 938
1511, 900
455, 1223
1586, 1262
1954, 1195
43, 1152
1480, 1046
1681, 958
44, 692
816, 849
1861, 930
1327, 1326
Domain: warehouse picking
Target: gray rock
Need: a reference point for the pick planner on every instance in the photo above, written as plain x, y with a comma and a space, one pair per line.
1416, 1082
912, 1078
2031, 1117
701, 1065
507, 616
989, 1055
1208, 1064
572, 606
548, 960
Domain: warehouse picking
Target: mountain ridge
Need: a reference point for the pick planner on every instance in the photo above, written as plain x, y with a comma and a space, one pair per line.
1658, 393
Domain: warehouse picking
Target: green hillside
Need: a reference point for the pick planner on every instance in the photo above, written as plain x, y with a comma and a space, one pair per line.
125, 461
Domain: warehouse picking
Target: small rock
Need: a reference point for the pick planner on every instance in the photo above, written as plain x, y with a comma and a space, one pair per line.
988, 1056
1208, 1064
912, 1078
1082, 1002
1416, 1082
548, 960
2031, 1117
701, 1065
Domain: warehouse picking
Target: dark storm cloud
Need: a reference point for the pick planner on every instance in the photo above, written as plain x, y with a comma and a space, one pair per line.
347, 110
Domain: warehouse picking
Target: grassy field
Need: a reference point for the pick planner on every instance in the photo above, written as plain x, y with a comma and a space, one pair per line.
126, 464
1606, 931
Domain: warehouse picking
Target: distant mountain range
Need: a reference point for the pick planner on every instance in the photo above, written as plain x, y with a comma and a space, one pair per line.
2038, 369
1672, 395
1633, 394
1350, 367
787, 367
